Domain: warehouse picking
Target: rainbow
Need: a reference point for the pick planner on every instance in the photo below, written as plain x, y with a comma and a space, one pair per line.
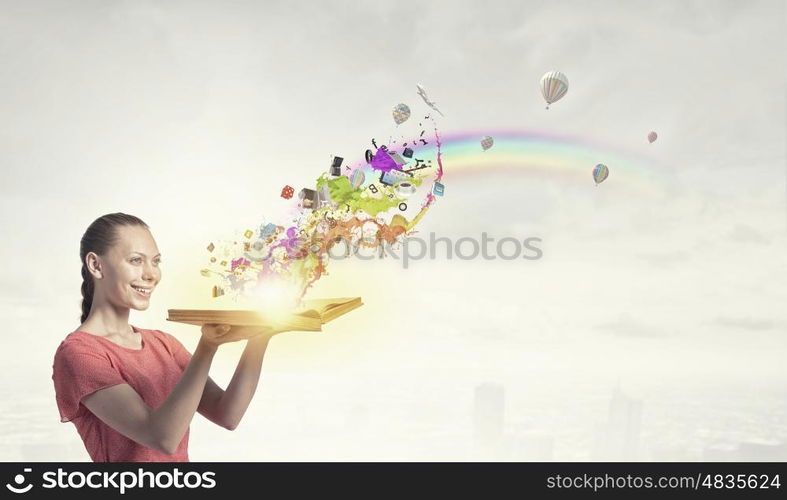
541, 153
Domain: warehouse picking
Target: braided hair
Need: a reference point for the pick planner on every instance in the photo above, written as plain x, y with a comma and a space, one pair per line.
99, 238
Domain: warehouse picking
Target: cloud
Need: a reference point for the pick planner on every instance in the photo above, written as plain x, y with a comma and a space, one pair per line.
743, 323
747, 234
665, 258
626, 326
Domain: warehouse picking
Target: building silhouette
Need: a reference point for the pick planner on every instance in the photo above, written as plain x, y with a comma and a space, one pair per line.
618, 438
488, 421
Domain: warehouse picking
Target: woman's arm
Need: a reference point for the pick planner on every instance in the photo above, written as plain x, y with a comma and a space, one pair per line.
227, 407
121, 407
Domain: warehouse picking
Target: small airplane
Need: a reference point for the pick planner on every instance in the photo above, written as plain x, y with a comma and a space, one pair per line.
431, 104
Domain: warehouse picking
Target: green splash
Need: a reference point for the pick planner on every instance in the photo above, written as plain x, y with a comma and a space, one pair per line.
343, 194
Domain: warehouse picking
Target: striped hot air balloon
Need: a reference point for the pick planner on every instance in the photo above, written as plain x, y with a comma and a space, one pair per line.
652, 136
554, 85
487, 142
600, 172
357, 178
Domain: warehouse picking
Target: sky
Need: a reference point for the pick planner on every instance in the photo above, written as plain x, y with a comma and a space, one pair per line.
667, 280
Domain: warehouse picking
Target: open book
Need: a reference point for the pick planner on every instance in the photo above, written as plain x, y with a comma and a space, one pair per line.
310, 317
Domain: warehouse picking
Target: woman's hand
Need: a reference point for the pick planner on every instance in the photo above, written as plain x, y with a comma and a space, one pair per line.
217, 334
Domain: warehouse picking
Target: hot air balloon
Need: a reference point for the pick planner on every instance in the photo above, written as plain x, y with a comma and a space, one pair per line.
600, 172
401, 113
554, 85
357, 178
652, 136
487, 142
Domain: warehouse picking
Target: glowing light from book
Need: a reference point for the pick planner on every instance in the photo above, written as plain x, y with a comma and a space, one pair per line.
276, 298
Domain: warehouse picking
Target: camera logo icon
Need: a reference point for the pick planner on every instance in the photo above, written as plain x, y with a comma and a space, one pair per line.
19, 479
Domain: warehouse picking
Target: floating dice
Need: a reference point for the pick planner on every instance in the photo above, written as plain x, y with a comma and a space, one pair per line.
287, 192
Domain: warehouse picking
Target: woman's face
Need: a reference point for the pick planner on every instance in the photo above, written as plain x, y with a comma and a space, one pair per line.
130, 270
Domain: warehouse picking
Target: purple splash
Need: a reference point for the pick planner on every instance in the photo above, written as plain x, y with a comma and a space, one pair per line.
382, 161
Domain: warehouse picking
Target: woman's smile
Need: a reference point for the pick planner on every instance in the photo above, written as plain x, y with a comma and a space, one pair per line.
143, 291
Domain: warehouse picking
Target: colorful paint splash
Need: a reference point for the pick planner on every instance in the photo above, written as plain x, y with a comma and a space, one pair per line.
370, 202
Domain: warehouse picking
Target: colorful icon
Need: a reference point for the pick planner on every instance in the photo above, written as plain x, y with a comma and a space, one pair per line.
267, 230
393, 176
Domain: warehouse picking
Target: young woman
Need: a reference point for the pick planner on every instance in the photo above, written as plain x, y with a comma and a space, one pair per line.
132, 392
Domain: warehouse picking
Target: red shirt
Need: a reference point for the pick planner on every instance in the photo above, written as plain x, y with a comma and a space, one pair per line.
85, 363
